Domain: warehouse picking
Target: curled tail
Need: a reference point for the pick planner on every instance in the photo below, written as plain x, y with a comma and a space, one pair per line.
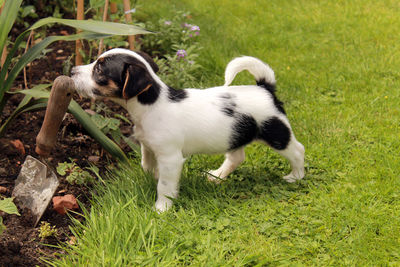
264, 75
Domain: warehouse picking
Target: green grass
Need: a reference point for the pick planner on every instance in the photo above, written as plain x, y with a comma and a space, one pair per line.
338, 67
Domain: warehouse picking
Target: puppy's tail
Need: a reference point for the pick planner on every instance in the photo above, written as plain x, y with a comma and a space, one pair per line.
264, 75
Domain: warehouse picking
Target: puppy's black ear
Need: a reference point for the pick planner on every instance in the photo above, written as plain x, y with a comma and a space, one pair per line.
137, 80
149, 60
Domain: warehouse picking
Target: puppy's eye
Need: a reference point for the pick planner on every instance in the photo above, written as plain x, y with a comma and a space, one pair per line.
97, 68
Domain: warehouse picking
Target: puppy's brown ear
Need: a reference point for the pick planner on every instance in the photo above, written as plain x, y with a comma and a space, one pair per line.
149, 60
137, 80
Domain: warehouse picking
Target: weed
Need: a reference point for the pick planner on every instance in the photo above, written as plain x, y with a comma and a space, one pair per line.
74, 174
46, 230
7, 205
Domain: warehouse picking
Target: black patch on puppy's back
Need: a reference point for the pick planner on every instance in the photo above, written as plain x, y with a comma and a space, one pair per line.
228, 104
176, 95
245, 130
275, 133
271, 88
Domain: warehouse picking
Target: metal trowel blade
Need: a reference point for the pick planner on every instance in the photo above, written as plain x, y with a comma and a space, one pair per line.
35, 186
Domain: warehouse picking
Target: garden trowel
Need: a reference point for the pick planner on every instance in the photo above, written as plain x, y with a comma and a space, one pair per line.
37, 182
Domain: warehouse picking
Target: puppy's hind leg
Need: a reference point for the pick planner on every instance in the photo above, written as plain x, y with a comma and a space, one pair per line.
232, 160
279, 136
295, 154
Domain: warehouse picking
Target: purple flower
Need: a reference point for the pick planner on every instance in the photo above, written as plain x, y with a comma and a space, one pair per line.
187, 25
167, 22
195, 28
181, 53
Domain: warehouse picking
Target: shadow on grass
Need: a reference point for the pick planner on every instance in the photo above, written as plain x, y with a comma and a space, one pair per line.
251, 181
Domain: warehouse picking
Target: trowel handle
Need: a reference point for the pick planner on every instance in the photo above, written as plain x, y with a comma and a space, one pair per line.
60, 97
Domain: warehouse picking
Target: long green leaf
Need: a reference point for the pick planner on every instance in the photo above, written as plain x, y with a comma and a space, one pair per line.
96, 30
36, 50
85, 120
37, 92
7, 62
104, 27
7, 18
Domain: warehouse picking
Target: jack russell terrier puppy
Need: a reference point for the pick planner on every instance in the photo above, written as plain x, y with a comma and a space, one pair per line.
174, 124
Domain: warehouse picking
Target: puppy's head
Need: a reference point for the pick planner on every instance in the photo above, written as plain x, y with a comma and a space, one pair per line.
116, 73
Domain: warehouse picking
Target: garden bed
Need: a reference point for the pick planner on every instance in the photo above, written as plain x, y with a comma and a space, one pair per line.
20, 244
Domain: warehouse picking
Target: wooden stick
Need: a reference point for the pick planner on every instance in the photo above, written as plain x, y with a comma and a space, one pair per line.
28, 42
113, 9
60, 97
4, 54
128, 19
105, 11
3, 57
78, 43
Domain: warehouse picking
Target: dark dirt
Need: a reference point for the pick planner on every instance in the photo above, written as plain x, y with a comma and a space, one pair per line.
20, 244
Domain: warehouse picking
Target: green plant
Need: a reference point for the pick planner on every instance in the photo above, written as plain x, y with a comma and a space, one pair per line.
46, 230
178, 69
75, 174
7, 205
9, 72
175, 47
109, 123
171, 35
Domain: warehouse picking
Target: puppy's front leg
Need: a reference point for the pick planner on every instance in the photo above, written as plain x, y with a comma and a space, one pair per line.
170, 168
148, 162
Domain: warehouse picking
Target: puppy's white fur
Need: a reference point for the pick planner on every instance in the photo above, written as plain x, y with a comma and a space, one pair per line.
169, 131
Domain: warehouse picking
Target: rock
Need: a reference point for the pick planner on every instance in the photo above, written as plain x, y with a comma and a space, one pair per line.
63, 203
94, 159
19, 146
3, 190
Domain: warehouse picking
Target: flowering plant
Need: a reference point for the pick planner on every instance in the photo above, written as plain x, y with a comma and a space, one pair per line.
175, 49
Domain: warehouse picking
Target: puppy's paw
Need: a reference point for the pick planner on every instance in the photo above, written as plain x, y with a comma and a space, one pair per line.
214, 176
294, 176
163, 205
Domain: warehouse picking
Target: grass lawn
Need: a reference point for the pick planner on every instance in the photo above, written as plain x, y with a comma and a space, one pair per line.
338, 67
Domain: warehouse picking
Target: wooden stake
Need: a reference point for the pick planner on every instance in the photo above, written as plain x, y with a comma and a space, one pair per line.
128, 18
105, 11
78, 43
113, 8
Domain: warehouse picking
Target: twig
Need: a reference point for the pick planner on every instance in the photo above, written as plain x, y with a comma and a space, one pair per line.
128, 18
78, 44
30, 64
